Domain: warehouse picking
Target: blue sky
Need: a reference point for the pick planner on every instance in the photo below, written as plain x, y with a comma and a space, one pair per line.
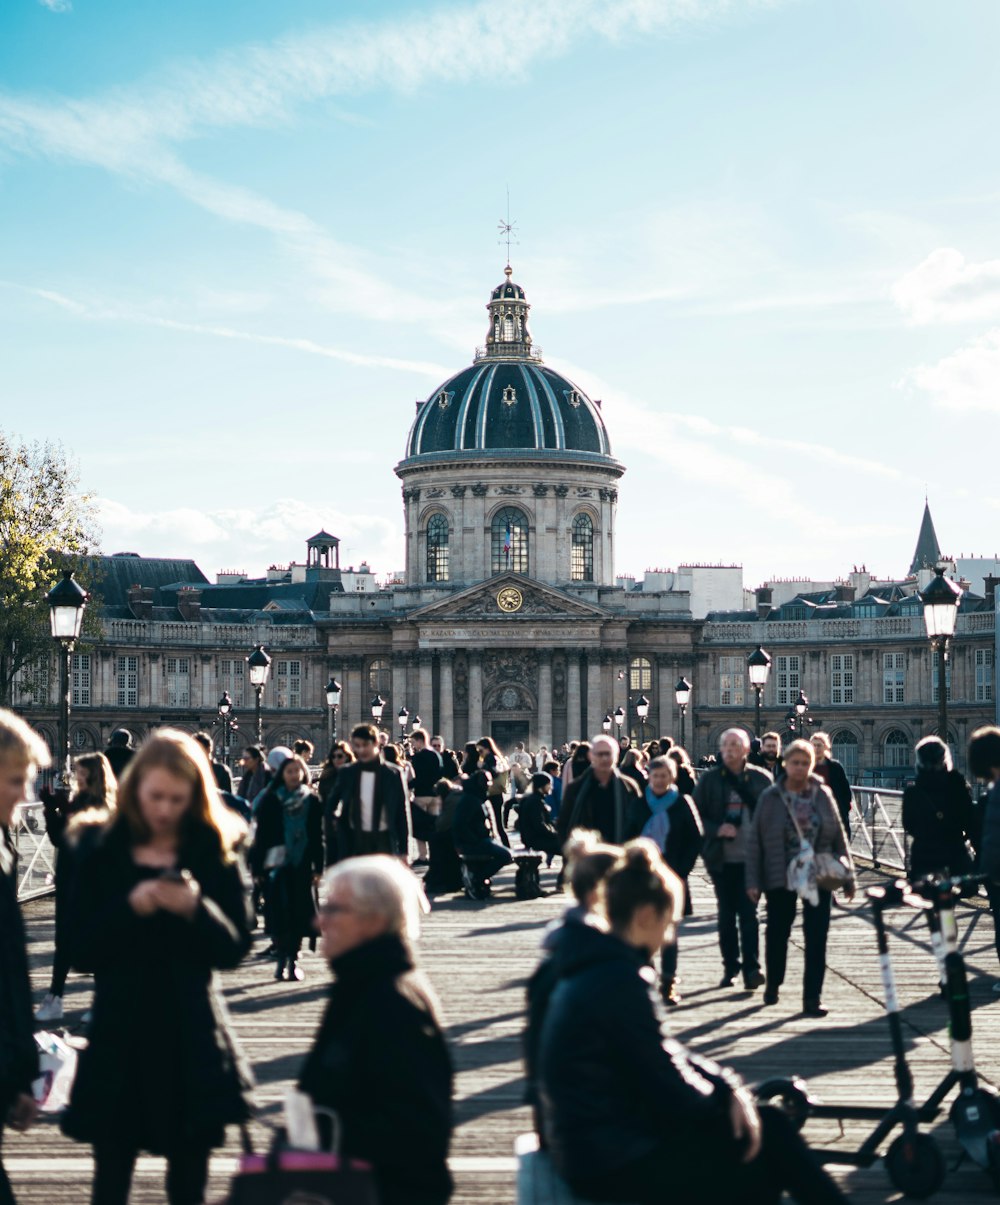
238, 241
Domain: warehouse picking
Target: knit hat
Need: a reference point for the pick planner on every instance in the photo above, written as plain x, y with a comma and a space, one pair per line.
278, 756
541, 779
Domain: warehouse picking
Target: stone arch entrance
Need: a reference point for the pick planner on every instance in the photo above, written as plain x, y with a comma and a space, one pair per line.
510, 714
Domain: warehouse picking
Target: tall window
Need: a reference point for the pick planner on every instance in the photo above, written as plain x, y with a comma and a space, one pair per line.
842, 678
893, 677
582, 564
288, 684
80, 670
896, 750
984, 675
845, 750
732, 676
379, 678
437, 549
934, 679
509, 541
177, 671
128, 681
640, 674
787, 680
232, 678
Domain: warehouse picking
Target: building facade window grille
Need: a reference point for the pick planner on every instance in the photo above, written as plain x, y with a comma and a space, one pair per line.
128, 681
984, 675
177, 671
379, 678
732, 681
845, 750
898, 752
893, 677
232, 678
787, 679
640, 674
842, 678
80, 671
582, 567
509, 541
288, 684
437, 549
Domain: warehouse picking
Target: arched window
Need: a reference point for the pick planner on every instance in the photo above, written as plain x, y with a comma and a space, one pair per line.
508, 328
845, 750
437, 549
379, 678
582, 557
509, 541
640, 674
898, 752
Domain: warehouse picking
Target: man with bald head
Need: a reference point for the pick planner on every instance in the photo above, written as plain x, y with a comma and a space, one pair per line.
602, 798
726, 797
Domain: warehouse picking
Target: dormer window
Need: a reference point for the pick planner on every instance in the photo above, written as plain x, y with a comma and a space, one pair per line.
444, 399
509, 395
508, 328
573, 397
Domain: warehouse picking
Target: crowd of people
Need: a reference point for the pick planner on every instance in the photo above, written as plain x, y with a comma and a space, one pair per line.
166, 866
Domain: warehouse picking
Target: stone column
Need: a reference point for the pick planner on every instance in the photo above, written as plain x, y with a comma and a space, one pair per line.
354, 709
426, 691
595, 694
475, 697
669, 725
573, 719
446, 720
398, 686
543, 724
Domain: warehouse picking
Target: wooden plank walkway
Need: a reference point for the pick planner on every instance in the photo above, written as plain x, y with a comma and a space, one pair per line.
478, 956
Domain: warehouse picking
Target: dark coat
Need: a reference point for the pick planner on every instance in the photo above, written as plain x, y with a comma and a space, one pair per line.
162, 1068
989, 844
711, 797
835, 777
472, 819
390, 790
938, 817
576, 809
380, 1061
223, 776
60, 808
119, 756
325, 790
684, 840
534, 823
614, 1087
292, 912
18, 1053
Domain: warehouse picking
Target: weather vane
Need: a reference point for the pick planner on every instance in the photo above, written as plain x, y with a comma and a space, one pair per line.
506, 228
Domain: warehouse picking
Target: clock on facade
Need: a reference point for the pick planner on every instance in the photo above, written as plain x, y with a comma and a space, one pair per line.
510, 599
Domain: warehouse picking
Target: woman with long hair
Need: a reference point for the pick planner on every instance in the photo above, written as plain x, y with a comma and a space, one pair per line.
496, 765
340, 755
67, 818
630, 1116
288, 849
470, 758
161, 903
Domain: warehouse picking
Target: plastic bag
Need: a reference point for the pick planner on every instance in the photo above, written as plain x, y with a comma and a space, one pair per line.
57, 1060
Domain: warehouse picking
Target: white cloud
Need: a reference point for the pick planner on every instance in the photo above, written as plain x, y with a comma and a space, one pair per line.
947, 288
968, 379
57, 6
247, 539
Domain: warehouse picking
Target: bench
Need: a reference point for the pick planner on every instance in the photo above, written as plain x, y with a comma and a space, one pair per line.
527, 885
475, 882
538, 1182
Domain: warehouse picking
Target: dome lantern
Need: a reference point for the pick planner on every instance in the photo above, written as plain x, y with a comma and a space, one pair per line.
508, 336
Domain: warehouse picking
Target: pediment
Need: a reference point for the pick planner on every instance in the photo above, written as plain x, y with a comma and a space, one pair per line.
481, 602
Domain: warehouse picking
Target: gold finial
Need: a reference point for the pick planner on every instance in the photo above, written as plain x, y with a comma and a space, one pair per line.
507, 235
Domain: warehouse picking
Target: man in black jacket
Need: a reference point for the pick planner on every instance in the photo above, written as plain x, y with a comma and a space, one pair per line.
120, 751
602, 798
21, 753
369, 801
726, 798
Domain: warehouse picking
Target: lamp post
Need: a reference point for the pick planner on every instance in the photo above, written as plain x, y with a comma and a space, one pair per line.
67, 601
403, 716
642, 710
259, 666
758, 668
377, 706
619, 721
333, 689
606, 723
227, 722
941, 599
682, 693
416, 723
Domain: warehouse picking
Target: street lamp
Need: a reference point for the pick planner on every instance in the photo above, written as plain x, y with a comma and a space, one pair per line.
941, 599
228, 723
606, 723
801, 709
67, 601
403, 716
758, 668
259, 666
333, 689
682, 693
619, 720
377, 705
416, 723
642, 710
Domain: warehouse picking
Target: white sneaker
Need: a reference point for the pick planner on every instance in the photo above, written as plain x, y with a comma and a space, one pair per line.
50, 1009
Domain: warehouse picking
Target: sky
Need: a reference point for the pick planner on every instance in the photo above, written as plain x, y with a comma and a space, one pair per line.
239, 241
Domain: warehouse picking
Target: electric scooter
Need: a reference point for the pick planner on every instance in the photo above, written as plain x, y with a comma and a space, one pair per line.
913, 1161
975, 1112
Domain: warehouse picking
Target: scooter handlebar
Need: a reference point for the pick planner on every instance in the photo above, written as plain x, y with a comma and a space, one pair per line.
931, 887
896, 895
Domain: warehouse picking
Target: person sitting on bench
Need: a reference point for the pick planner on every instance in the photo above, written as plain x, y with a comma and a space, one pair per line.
534, 820
472, 827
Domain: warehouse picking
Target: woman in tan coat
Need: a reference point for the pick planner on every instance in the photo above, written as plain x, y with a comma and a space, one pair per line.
797, 803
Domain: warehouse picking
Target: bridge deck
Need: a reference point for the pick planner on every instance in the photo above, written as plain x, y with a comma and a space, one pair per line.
478, 956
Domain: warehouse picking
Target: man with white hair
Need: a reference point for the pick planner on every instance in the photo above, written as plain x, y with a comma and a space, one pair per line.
379, 1059
602, 798
726, 798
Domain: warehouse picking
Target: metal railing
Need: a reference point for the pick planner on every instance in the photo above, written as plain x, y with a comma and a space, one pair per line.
35, 855
877, 827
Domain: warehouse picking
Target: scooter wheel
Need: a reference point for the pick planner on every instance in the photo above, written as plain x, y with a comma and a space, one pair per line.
788, 1095
915, 1165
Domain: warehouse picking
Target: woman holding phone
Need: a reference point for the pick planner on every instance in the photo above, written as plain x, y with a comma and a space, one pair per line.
161, 902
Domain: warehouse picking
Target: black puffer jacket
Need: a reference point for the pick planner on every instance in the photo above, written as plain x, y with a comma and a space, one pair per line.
18, 1053
380, 1062
938, 817
613, 1085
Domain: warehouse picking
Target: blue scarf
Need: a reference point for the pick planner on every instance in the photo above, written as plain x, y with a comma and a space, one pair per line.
293, 804
657, 827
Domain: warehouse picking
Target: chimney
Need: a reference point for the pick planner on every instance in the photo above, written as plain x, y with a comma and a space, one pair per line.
990, 583
189, 604
844, 593
764, 595
140, 601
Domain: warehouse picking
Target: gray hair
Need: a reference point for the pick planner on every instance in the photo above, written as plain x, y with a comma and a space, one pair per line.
382, 886
606, 742
738, 732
